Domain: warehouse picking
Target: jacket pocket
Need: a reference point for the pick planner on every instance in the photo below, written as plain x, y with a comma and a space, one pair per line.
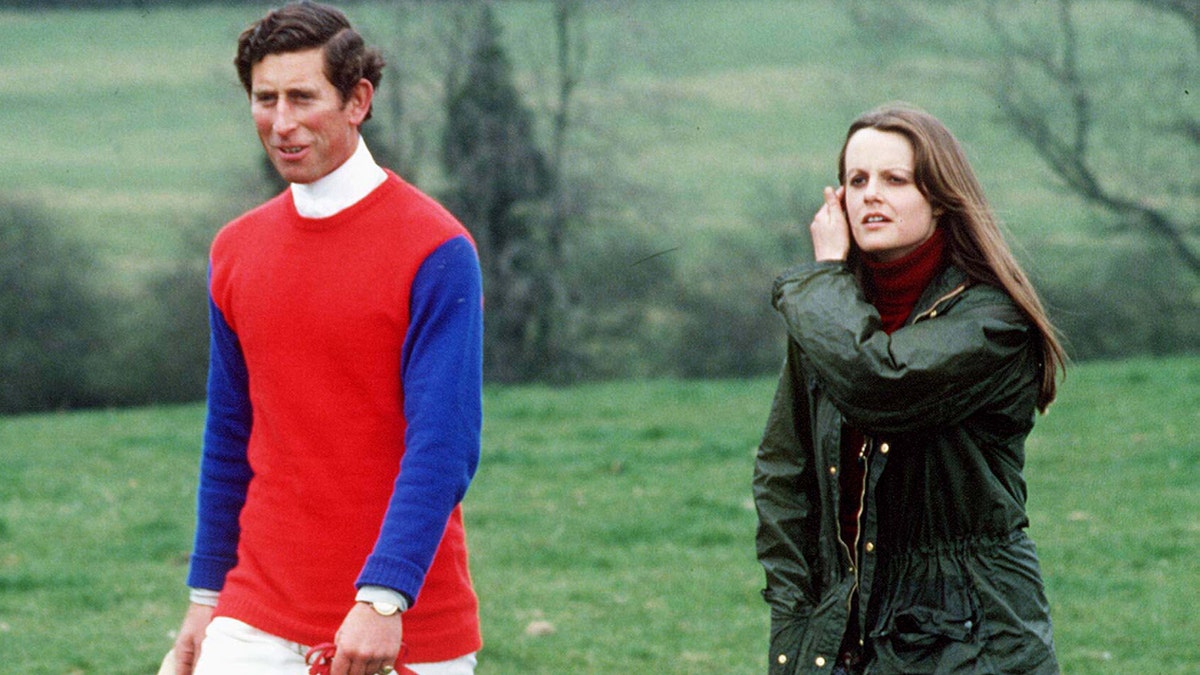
789, 621
929, 625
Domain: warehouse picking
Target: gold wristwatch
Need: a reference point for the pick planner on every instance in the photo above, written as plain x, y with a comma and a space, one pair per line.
384, 608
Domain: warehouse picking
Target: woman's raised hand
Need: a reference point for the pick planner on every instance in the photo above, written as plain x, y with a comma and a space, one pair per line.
829, 228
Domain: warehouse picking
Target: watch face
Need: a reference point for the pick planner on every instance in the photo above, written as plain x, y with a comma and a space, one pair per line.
385, 608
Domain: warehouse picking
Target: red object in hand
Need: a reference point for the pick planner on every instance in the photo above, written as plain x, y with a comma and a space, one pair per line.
320, 659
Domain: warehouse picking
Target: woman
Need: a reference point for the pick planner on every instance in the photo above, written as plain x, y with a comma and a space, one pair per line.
888, 483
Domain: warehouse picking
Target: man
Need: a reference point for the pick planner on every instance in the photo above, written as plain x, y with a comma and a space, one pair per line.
344, 405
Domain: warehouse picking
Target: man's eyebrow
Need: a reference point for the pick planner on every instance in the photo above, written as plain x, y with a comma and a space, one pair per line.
262, 92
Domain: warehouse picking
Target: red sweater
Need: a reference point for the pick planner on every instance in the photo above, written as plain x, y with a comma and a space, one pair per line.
348, 452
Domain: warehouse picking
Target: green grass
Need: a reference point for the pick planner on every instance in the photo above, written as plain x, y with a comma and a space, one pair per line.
620, 515
1114, 475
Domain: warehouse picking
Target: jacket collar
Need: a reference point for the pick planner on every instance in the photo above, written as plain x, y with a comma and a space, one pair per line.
943, 292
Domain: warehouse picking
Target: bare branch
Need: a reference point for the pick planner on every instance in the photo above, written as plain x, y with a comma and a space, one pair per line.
1188, 10
569, 47
1067, 153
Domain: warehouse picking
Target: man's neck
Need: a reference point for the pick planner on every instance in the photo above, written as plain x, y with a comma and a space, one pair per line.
341, 188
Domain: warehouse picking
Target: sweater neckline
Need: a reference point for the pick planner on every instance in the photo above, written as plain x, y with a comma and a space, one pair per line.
895, 286
349, 214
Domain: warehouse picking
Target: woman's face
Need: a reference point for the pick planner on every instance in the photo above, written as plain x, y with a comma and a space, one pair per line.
888, 215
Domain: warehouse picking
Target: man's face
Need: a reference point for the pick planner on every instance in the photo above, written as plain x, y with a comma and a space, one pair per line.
303, 123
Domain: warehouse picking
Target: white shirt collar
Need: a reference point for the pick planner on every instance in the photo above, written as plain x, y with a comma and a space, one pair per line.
341, 188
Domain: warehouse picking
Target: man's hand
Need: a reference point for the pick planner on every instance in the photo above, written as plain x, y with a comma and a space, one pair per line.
367, 642
191, 634
829, 229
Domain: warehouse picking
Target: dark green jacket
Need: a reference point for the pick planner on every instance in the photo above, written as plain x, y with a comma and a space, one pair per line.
948, 580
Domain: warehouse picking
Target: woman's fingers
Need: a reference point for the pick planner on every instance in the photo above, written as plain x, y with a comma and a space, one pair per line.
830, 232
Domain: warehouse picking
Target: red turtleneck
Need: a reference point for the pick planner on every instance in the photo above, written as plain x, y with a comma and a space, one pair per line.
894, 287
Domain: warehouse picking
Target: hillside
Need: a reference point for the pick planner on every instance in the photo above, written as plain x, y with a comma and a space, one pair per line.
130, 125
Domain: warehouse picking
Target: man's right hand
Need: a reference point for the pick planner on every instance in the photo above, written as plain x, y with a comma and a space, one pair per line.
191, 634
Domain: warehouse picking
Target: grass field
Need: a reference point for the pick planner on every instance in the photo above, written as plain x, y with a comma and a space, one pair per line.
618, 515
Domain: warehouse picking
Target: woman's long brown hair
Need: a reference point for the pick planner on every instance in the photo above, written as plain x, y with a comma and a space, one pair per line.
974, 240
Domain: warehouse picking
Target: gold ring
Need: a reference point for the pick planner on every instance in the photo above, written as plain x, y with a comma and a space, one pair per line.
385, 670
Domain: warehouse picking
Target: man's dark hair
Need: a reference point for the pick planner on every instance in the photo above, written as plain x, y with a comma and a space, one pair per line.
307, 25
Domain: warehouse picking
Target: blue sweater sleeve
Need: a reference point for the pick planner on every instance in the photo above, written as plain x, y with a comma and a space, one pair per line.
442, 376
224, 468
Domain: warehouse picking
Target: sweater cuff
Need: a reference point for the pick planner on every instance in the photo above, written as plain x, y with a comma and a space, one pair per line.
393, 573
371, 593
208, 571
203, 596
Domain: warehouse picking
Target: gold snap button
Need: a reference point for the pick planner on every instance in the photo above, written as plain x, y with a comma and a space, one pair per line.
883, 448
820, 661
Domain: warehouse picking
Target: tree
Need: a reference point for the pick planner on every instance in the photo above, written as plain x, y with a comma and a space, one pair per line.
1054, 87
51, 318
1103, 101
1066, 142
500, 185
555, 334
1188, 10
1051, 90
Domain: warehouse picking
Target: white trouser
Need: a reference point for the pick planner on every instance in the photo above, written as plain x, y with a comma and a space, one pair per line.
232, 647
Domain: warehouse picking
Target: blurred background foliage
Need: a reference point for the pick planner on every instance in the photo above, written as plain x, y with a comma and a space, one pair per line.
634, 172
